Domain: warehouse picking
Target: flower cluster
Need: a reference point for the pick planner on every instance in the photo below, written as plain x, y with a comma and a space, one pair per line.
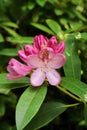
44, 57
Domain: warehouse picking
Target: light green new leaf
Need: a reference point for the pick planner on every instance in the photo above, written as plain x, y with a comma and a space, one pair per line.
11, 84
41, 2
55, 27
84, 35
20, 40
46, 114
1, 38
76, 87
72, 67
9, 52
42, 27
29, 104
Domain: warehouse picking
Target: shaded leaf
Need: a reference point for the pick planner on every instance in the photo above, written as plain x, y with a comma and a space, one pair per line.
11, 31
1, 38
46, 114
2, 108
29, 104
11, 84
42, 27
9, 24
85, 112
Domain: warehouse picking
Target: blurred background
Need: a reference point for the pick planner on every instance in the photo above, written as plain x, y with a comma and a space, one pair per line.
20, 21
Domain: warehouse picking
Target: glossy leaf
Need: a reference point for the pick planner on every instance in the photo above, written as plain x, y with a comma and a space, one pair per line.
11, 84
76, 87
29, 104
46, 114
72, 67
55, 27
42, 27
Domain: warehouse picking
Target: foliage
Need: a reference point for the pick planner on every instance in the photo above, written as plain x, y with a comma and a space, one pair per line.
23, 107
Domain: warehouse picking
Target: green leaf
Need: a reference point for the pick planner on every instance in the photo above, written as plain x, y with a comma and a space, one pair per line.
8, 24
20, 40
46, 114
85, 113
2, 108
72, 67
11, 84
1, 38
14, 128
55, 27
41, 2
31, 5
84, 35
29, 104
76, 87
42, 27
5, 126
58, 12
9, 52
79, 15
11, 31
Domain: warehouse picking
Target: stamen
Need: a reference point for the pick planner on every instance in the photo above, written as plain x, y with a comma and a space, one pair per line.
44, 54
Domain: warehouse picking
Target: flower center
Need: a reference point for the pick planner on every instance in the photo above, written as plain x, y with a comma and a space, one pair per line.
45, 54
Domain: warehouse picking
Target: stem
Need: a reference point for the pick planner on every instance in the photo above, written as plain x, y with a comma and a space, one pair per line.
72, 105
68, 93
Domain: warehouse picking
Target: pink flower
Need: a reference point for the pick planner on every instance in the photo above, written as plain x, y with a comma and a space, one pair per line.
44, 57
45, 64
28, 50
41, 42
17, 69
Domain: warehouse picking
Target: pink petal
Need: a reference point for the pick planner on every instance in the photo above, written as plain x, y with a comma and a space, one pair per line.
29, 50
11, 77
60, 47
37, 77
16, 69
52, 42
22, 55
57, 61
35, 61
40, 41
53, 77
